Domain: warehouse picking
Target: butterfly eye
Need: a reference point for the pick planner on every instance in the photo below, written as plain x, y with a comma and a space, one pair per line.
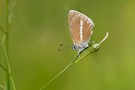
74, 47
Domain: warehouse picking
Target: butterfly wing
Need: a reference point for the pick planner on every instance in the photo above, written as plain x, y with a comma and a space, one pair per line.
74, 25
80, 27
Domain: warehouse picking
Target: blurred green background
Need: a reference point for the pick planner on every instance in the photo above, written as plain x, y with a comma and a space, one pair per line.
40, 26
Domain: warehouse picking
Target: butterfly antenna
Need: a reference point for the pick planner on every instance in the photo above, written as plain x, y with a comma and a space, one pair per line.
104, 38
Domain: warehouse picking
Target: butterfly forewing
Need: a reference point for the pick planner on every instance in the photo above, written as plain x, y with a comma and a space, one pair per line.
80, 27
74, 24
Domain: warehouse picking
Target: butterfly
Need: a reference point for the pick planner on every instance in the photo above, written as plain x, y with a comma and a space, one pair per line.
80, 29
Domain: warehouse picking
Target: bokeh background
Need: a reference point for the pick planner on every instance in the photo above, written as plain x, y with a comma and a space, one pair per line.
40, 26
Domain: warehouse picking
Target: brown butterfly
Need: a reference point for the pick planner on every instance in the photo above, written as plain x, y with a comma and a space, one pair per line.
80, 29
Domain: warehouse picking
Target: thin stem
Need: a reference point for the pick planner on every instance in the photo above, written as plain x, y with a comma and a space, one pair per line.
66, 68
5, 43
2, 62
4, 68
6, 49
2, 29
7, 15
93, 48
2, 87
8, 65
82, 57
104, 38
12, 81
7, 62
56, 76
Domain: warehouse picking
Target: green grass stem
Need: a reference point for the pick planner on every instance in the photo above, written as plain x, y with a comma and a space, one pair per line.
5, 45
2, 87
94, 47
